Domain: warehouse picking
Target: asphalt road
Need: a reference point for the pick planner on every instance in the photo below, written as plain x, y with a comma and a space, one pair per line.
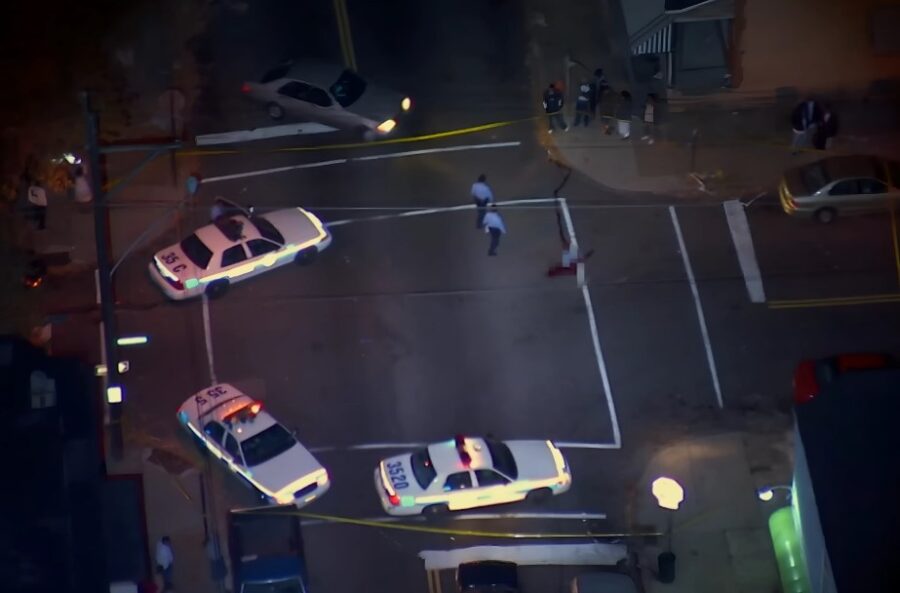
405, 331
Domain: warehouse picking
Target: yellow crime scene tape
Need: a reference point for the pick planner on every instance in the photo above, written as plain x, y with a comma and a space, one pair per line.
448, 531
402, 140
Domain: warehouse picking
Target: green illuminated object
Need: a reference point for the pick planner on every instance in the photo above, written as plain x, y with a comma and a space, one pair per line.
788, 552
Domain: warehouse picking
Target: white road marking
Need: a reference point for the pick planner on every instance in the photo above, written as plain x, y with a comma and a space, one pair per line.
474, 517
595, 335
394, 155
275, 170
440, 210
300, 129
411, 446
333, 162
710, 359
207, 335
743, 244
592, 554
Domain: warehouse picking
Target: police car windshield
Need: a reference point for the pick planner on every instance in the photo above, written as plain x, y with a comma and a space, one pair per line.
422, 468
196, 251
503, 459
270, 443
267, 230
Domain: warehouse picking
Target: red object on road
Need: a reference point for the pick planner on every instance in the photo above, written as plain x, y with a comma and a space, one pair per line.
811, 375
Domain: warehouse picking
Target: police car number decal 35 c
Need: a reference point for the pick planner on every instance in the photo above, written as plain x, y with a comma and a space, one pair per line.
212, 393
171, 258
398, 478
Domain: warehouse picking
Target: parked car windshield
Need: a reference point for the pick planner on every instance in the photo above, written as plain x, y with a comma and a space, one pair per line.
348, 88
196, 251
422, 468
267, 230
502, 458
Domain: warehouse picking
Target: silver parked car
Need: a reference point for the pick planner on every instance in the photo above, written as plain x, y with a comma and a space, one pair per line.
330, 95
839, 185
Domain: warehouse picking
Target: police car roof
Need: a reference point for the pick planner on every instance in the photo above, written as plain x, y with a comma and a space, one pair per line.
446, 459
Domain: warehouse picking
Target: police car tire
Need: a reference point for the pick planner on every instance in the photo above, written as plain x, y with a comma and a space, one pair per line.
306, 257
275, 111
539, 496
217, 289
433, 510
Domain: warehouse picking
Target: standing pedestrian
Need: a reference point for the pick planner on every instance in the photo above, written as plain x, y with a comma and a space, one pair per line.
825, 133
623, 115
482, 195
37, 205
583, 104
218, 210
649, 118
601, 85
83, 193
804, 120
165, 562
553, 104
494, 226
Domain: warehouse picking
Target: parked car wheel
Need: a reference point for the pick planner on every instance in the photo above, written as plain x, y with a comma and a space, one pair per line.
434, 510
306, 256
539, 496
825, 215
217, 289
275, 110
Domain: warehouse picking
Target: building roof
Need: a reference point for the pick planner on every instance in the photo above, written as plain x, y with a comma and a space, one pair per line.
52, 510
851, 440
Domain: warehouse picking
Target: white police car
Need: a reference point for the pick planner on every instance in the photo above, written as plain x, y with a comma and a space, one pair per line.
236, 429
467, 472
236, 246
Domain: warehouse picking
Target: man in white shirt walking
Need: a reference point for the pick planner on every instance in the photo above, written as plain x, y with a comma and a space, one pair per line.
494, 226
165, 561
482, 195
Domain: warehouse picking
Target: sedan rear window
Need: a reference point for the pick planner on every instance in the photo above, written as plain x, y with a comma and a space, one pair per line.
422, 468
196, 251
348, 88
267, 230
502, 458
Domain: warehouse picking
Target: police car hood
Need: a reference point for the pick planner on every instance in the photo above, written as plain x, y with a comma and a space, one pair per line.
533, 460
281, 471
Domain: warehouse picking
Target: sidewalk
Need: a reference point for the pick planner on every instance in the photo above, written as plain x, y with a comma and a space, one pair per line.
720, 533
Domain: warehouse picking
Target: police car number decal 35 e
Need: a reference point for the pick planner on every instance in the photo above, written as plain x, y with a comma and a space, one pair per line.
171, 258
398, 478
212, 393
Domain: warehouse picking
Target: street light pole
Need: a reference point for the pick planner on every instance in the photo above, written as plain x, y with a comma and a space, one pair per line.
104, 280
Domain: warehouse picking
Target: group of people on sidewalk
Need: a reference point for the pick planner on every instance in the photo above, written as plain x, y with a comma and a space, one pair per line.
595, 93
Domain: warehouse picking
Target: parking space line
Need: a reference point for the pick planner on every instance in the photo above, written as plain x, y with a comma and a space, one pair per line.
384, 446
710, 359
442, 209
207, 336
595, 335
587, 554
575, 516
743, 245
332, 162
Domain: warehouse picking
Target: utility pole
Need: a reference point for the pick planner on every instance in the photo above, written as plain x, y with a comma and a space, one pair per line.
113, 390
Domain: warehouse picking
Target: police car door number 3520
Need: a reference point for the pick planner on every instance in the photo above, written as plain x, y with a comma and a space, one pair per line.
398, 478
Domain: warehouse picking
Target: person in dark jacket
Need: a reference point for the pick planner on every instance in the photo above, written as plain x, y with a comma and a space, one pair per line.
553, 104
805, 118
583, 109
827, 130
